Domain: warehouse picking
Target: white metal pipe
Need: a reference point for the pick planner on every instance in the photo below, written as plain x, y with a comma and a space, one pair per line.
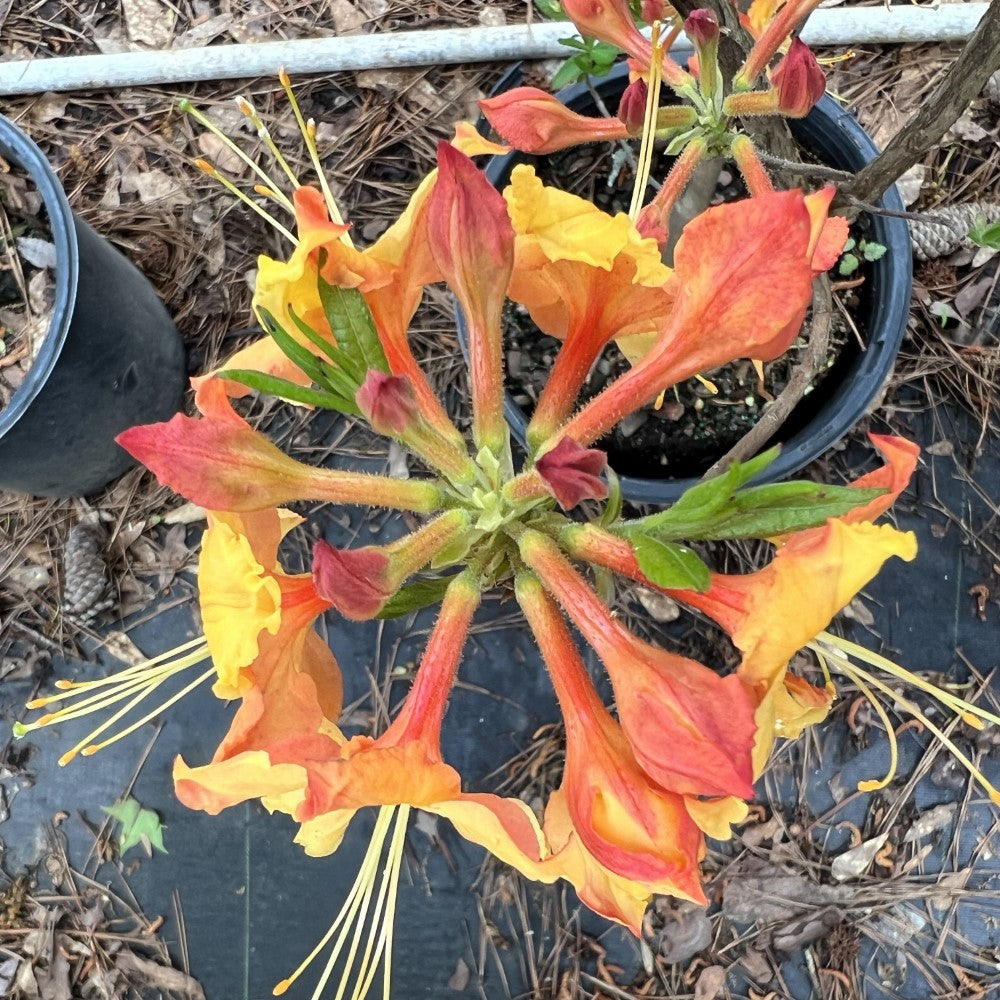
952, 22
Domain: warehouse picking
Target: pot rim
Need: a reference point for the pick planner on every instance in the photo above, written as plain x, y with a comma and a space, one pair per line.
17, 147
849, 401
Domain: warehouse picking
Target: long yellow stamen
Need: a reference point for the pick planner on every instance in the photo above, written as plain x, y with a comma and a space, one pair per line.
308, 130
971, 714
913, 710
205, 122
89, 751
353, 915
645, 158
131, 685
212, 172
262, 133
387, 895
872, 784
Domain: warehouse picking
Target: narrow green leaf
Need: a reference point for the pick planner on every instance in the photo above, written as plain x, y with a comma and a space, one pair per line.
300, 356
613, 508
421, 593
703, 501
331, 350
351, 321
551, 9
670, 565
272, 385
568, 73
766, 511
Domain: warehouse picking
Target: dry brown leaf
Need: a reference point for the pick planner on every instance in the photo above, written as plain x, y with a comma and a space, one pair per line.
854, 863
711, 982
460, 977
123, 649
49, 107
153, 186
220, 154
347, 19
149, 21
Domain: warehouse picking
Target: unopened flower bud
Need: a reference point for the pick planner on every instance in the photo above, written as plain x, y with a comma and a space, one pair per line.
573, 473
702, 27
632, 107
355, 581
387, 402
652, 10
799, 81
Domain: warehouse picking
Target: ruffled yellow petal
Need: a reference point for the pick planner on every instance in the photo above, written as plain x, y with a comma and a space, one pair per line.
239, 600
566, 227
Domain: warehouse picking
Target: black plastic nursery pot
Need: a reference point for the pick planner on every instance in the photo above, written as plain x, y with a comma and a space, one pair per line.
112, 357
825, 415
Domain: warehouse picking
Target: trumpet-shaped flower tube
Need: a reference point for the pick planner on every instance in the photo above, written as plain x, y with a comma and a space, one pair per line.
632, 827
585, 277
536, 122
670, 707
473, 244
221, 463
726, 304
765, 613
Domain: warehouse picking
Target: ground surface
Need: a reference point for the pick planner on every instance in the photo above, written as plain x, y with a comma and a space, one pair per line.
922, 923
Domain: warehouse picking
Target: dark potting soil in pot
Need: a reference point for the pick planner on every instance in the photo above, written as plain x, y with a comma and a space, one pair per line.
694, 427
27, 278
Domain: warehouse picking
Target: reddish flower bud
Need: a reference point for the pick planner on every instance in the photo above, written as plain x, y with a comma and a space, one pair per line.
573, 473
387, 402
799, 81
356, 582
652, 10
632, 106
702, 28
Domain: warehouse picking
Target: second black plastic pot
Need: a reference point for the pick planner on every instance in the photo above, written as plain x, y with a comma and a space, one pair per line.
112, 357
824, 416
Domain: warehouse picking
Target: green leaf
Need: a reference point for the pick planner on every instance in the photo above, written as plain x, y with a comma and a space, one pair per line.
873, 251
984, 235
568, 73
704, 499
351, 321
572, 42
421, 593
300, 356
721, 508
848, 265
551, 9
766, 511
139, 826
613, 509
670, 565
850, 244
272, 385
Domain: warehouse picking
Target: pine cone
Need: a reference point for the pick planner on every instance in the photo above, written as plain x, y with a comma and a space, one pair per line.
87, 586
950, 228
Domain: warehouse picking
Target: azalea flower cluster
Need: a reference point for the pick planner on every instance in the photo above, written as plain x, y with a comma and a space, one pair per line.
676, 760
703, 119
